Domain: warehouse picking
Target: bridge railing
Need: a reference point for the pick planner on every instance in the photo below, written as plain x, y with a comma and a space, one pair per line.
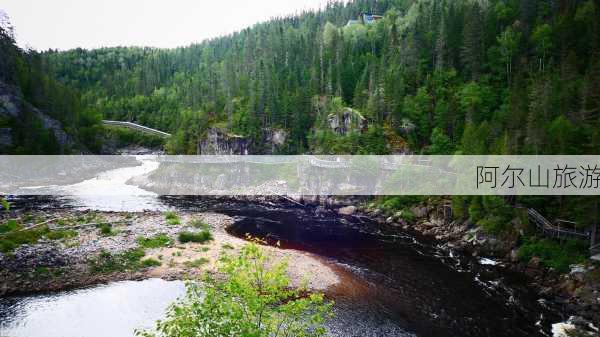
137, 127
551, 230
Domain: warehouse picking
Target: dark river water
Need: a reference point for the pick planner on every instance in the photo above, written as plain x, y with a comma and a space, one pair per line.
393, 284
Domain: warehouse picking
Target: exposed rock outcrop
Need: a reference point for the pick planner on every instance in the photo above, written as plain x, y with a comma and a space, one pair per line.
218, 141
274, 139
14, 107
346, 121
221, 142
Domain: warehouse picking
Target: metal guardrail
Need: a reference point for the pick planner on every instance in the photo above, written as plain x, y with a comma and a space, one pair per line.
554, 231
137, 127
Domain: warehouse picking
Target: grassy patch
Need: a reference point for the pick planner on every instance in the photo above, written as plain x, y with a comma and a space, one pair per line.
106, 262
61, 234
9, 226
227, 246
199, 237
196, 263
197, 223
9, 241
553, 254
149, 263
106, 229
172, 218
157, 241
46, 273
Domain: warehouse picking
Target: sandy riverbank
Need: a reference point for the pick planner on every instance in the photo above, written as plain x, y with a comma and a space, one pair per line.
52, 265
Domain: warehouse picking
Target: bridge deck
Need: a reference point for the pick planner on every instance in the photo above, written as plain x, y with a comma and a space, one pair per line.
137, 127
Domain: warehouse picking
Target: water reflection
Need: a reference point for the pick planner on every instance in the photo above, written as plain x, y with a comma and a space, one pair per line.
116, 309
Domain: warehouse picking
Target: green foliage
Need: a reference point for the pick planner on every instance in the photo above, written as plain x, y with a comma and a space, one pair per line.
502, 77
407, 215
253, 298
197, 223
149, 263
13, 235
157, 241
392, 204
172, 218
476, 211
61, 234
27, 71
9, 226
106, 262
490, 212
198, 237
106, 229
196, 263
124, 137
440, 143
553, 254
5, 204
459, 207
466, 79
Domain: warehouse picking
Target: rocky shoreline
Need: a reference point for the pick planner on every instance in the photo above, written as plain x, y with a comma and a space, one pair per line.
62, 265
578, 291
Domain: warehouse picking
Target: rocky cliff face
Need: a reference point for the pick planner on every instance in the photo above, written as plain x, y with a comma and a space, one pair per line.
347, 121
13, 110
274, 140
219, 142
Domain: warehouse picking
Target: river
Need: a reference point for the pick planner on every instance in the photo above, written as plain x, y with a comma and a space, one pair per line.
394, 284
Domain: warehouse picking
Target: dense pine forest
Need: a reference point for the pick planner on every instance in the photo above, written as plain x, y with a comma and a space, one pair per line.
24, 79
503, 77
434, 77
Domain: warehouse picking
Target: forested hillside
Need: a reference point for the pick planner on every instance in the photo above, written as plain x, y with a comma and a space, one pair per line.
38, 115
437, 77
441, 76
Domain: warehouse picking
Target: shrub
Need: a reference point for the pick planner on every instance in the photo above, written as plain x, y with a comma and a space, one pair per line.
148, 263
476, 211
106, 262
493, 224
393, 204
196, 223
11, 240
553, 254
157, 241
459, 207
106, 229
196, 263
254, 297
9, 226
172, 218
407, 215
7, 246
5, 204
199, 237
61, 234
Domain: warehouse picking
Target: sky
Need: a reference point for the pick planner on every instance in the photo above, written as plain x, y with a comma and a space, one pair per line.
67, 24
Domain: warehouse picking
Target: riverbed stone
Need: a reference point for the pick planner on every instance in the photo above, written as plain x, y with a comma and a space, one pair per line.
419, 211
348, 210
